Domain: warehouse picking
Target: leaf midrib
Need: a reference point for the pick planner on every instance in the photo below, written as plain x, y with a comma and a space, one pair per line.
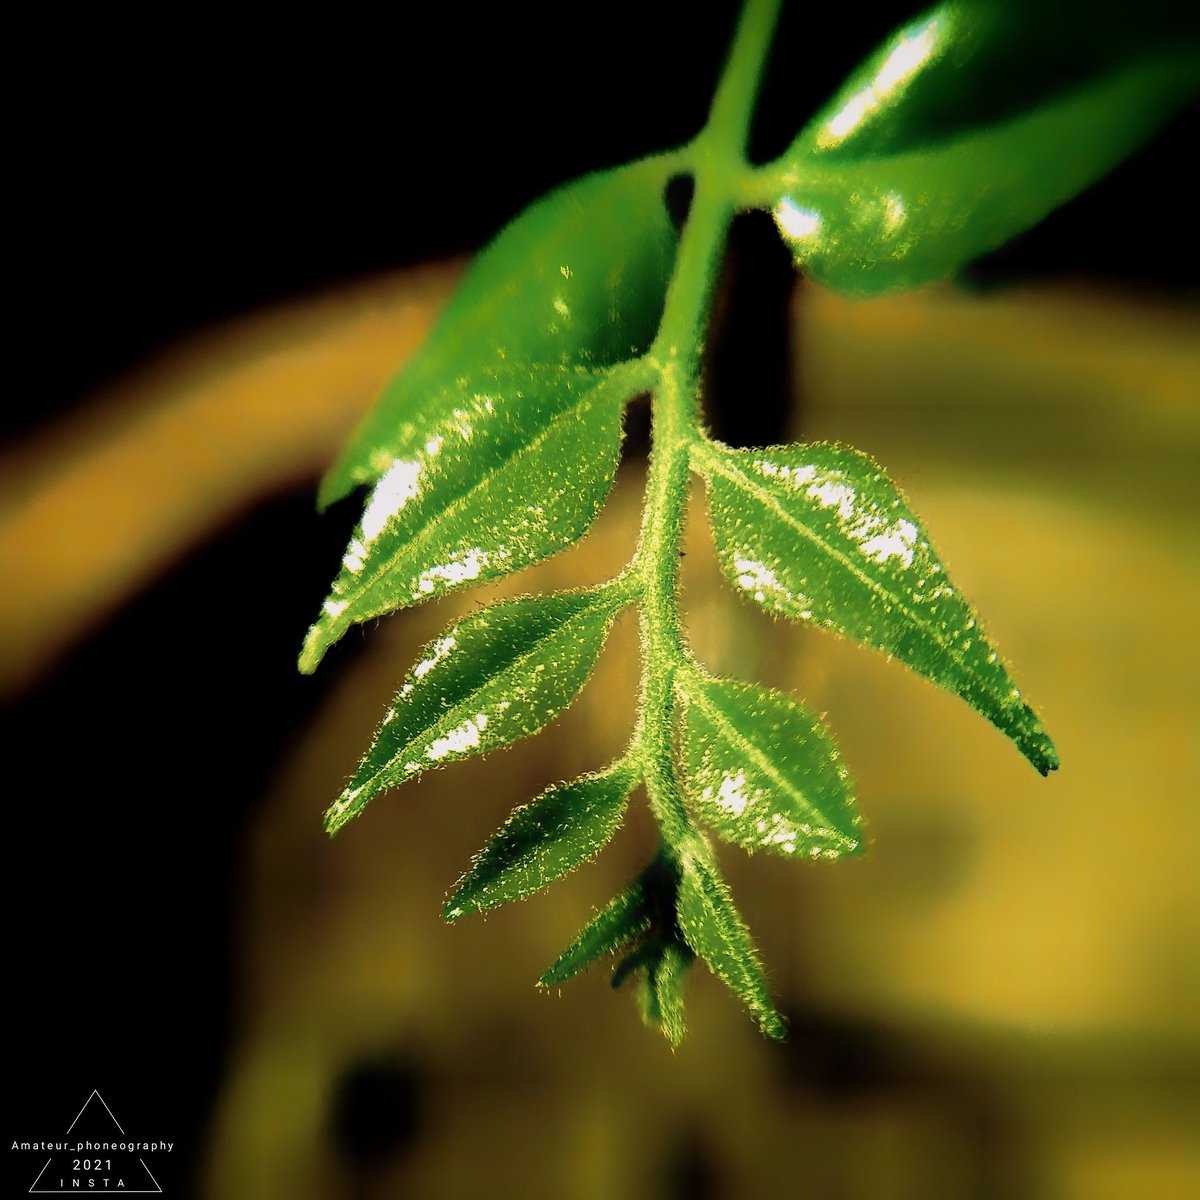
463, 704
718, 718
611, 812
764, 497
443, 514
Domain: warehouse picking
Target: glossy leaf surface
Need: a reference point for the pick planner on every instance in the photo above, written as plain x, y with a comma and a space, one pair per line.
762, 772
891, 186
819, 533
715, 931
516, 476
492, 679
621, 921
576, 282
567, 825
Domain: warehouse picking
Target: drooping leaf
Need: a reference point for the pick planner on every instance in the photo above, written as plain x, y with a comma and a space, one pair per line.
509, 480
565, 826
715, 931
661, 965
819, 533
868, 204
661, 991
495, 677
576, 282
762, 771
621, 921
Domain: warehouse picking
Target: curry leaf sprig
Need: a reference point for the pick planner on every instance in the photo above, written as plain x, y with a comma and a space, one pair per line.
498, 444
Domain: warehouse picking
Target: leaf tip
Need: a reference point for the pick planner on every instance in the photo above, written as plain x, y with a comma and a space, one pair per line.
457, 905
312, 651
343, 810
331, 489
550, 977
773, 1025
1047, 760
1037, 747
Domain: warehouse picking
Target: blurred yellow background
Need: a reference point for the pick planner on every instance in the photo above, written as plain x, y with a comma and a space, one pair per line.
1001, 998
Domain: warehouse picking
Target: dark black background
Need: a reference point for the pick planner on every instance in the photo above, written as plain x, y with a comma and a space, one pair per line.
172, 170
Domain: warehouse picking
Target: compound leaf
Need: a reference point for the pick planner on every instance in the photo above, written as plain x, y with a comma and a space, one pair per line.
867, 205
565, 826
762, 771
715, 931
494, 678
576, 282
500, 486
819, 533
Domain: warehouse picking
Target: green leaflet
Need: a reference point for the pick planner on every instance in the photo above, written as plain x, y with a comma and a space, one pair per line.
492, 679
863, 217
663, 965
762, 771
622, 920
819, 533
517, 475
565, 826
662, 990
715, 931
576, 282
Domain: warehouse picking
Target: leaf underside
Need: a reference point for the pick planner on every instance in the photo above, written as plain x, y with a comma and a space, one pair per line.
867, 204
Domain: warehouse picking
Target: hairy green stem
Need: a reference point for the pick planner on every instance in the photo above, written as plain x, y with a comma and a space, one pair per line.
717, 153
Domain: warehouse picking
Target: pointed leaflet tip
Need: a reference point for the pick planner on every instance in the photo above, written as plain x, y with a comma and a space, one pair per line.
820, 534
714, 929
515, 475
623, 919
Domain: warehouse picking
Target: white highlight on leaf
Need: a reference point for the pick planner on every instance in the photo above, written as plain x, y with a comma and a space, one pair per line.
835, 495
914, 47
354, 557
441, 648
396, 487
897, 542
461, 569
777, 832
797, 223
859, 518
730, 795
894, 210
460, 740
335, 608
757, 578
